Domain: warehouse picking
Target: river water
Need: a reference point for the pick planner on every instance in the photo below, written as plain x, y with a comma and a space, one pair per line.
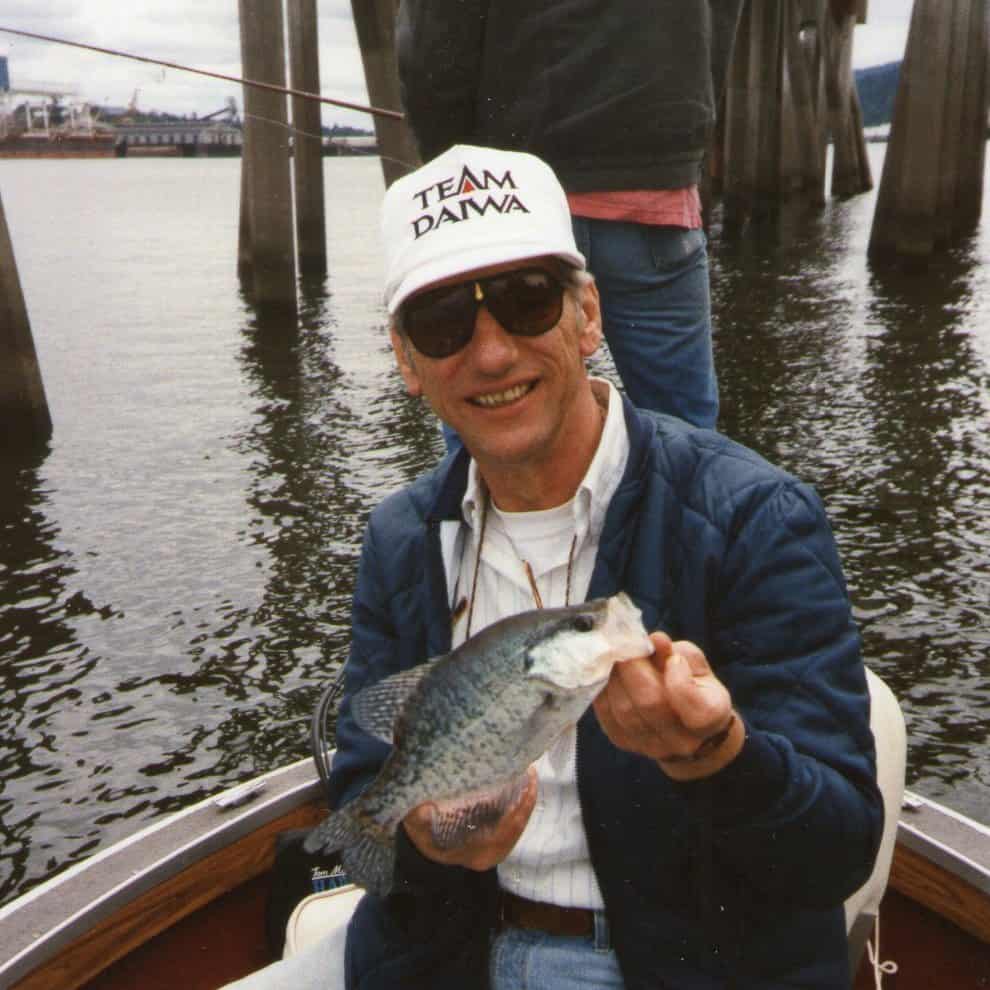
176, 571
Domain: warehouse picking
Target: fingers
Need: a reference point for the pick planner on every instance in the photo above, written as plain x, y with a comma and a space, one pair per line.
483, 847
695, 695
665, 706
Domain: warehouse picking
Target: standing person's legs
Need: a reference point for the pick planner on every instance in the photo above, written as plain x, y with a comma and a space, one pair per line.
656, 310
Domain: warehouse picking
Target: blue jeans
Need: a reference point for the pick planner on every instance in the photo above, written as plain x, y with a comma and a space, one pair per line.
528, 960
656, 311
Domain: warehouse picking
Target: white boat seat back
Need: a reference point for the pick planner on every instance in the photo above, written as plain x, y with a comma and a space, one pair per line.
890, 734
323, 916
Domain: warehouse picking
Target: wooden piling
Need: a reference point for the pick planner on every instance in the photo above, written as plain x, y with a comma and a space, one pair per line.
265, 157
928, 192
851, 172
966, 201
307, 161
790, 83
374, 21
804, 149
26, 421
245, 246
751, 162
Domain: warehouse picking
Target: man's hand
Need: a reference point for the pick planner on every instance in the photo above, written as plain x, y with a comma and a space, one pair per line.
673, 709
484, 847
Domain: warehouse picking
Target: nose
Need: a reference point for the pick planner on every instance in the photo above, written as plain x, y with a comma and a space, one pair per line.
493, 348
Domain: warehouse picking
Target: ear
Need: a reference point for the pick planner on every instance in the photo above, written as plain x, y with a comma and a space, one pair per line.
589, 320
406, 362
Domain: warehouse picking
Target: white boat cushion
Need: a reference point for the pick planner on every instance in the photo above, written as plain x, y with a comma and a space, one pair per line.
887, 723
319, 916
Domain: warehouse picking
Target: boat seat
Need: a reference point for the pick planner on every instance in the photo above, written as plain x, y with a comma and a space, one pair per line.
326, 914
323, 916
890, 734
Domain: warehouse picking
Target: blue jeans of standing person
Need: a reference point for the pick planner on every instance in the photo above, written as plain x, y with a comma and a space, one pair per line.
530, 960
656, 312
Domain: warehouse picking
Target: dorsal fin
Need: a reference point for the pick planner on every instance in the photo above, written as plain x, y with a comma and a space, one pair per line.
376, 707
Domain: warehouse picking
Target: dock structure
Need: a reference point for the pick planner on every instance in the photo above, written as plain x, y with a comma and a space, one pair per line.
752, 129
804, 29
789, 87
374, 21
851, 172
931, 190
307, 160
266, 256
26, 421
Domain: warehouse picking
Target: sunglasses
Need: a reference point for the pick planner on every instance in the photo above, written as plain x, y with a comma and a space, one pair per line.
527, 302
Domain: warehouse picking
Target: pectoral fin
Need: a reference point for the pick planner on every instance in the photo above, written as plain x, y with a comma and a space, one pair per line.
376, 707
456, 819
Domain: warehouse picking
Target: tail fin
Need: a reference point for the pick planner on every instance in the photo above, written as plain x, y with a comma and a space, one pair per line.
368, 850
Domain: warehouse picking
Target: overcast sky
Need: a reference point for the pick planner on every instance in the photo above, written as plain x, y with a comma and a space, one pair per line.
204, 34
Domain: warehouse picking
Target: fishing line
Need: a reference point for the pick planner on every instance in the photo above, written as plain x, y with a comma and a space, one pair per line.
283, 124
271, 87
319, 137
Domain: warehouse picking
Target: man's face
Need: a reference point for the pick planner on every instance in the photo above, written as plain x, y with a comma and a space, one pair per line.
510, 398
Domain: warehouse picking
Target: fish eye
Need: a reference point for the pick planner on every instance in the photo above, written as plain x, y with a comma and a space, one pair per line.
583, 623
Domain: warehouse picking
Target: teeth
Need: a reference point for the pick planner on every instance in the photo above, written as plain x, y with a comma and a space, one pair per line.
493, 399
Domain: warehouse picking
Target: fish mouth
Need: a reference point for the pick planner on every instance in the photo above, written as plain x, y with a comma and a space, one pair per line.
552, 687
623, 625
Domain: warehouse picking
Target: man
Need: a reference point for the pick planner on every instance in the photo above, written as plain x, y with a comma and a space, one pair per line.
703, 823
620, 101
718, 803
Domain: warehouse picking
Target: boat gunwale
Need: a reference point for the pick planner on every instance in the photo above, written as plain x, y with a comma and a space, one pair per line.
958, 844
35, 927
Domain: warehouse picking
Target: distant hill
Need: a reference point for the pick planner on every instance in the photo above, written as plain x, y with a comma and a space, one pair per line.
877, 87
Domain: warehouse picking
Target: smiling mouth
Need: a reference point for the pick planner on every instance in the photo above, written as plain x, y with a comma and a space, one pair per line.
493, 400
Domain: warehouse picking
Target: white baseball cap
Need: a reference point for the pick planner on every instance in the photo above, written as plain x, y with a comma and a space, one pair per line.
469, 208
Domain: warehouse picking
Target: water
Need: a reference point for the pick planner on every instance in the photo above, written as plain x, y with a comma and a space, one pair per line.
176, 573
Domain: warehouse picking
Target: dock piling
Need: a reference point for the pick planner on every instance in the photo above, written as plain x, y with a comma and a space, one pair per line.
850, 165
307, 160
790, 85
269, 255
374, 21
24, 415
931, 187
751, 162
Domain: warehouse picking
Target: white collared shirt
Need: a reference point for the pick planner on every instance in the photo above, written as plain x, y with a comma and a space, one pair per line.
550, 862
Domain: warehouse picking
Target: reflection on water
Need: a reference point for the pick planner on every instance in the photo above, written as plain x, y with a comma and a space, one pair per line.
176, 572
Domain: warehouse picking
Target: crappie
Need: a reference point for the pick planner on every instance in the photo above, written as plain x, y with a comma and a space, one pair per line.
466, 726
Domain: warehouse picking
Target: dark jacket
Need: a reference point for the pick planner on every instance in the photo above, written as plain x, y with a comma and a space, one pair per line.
613, 94
733, 881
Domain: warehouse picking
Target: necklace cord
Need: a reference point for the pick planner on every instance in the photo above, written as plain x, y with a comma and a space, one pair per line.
534, 588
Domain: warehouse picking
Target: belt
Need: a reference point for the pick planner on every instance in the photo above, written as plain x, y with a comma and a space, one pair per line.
517, 912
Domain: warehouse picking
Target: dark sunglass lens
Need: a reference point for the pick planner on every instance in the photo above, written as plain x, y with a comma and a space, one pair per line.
527, 303
440, 322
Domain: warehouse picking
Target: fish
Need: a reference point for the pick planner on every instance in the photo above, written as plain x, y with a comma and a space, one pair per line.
465, 727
